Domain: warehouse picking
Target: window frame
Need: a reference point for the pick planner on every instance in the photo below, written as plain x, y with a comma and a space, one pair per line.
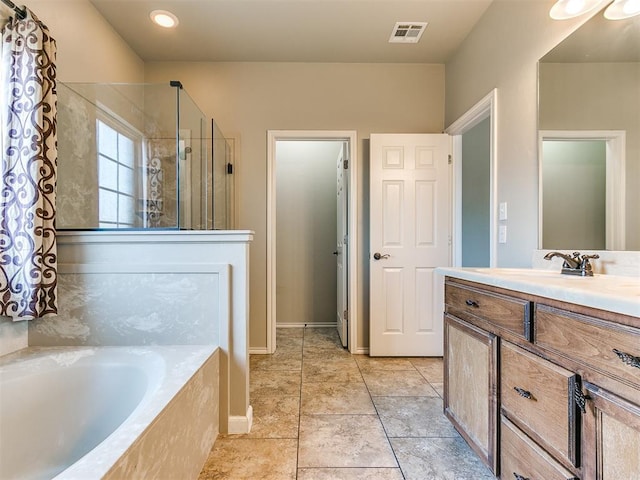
124, 129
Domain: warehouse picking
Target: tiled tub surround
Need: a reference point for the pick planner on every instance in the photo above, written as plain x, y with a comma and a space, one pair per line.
157, 288
122, 412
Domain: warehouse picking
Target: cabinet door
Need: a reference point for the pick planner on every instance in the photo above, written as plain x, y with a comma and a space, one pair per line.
522, 458
538, 396
470, 400
611, 436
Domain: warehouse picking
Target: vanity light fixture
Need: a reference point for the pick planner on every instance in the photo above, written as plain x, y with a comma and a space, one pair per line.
565, 9
164, 18
618, 10
621, 9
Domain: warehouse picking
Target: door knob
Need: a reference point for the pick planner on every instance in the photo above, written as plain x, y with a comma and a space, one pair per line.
335, 253
377, 256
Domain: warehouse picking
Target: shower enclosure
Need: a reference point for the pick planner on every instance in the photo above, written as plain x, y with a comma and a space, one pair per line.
140, 156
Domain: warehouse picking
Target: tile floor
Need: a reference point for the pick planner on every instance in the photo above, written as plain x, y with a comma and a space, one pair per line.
321, 413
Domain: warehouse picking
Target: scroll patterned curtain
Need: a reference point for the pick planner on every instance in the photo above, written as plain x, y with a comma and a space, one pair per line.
28, 257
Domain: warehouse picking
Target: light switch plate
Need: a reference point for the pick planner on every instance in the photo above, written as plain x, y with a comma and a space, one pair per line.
502, 213
502, 234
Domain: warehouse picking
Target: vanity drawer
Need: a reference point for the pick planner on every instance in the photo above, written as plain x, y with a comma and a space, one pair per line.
538, 396
591, 341
504, 312
522, 458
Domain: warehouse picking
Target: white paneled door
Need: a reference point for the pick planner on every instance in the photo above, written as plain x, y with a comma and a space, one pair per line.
410, 218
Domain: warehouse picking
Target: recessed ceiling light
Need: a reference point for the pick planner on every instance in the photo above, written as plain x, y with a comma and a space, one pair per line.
164, 19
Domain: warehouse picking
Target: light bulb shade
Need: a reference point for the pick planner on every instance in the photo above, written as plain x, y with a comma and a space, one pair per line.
621, 9
564, 9
164, 18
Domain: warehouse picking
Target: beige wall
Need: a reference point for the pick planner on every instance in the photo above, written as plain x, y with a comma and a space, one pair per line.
89, 50
502, 52
247, 99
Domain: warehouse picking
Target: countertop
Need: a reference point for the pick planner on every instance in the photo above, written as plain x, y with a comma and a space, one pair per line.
614, 293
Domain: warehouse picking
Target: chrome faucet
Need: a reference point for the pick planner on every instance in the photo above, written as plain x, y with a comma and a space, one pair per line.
574, 265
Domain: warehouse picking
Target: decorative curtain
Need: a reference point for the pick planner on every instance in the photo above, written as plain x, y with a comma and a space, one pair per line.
28, 257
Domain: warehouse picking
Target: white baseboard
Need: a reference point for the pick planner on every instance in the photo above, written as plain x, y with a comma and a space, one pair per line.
307, 325
361, 351
258, 351
241, 424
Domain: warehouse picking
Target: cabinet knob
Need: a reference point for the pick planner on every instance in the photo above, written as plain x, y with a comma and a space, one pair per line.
523, 393
627, 358
472, 303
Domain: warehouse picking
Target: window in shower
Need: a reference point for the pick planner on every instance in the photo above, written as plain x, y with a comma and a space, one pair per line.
117, 152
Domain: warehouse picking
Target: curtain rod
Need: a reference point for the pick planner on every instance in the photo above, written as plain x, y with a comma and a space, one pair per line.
20, 12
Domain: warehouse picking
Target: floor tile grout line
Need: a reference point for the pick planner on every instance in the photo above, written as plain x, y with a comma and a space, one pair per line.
384, 429
304, 331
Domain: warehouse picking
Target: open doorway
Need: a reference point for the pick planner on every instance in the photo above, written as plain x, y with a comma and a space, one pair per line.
474, 157
310, 254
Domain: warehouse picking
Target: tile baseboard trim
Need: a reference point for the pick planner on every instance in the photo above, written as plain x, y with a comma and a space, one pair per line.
239, 424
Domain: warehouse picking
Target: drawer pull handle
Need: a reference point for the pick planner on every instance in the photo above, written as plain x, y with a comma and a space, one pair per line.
472, 303
627, 359
580, 398
520, 477
523, 393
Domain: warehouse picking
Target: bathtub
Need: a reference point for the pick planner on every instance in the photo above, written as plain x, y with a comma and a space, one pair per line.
107, 412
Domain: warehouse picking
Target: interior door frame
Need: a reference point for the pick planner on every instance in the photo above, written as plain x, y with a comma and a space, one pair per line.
486, 107
615, 179
350, 136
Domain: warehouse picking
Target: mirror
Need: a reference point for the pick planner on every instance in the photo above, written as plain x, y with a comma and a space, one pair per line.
589, 138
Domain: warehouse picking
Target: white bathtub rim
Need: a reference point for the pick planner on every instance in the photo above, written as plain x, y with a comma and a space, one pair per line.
182, 362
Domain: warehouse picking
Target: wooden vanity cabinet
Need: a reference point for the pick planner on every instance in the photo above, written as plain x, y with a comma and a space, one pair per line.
522, 458
470, 386
538, 396
563, 393
611, 436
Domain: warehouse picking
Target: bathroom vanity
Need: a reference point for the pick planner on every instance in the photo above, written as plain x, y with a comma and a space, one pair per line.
542, 371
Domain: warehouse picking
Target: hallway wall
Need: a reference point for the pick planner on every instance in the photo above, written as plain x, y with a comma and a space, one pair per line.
306, 232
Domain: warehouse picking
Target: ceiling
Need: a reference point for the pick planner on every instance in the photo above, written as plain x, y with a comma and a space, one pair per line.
351, 31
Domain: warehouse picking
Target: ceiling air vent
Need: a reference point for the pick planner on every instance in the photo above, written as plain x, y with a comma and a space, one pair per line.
407, 32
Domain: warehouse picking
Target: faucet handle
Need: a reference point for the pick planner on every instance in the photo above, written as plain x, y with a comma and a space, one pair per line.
585, 265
